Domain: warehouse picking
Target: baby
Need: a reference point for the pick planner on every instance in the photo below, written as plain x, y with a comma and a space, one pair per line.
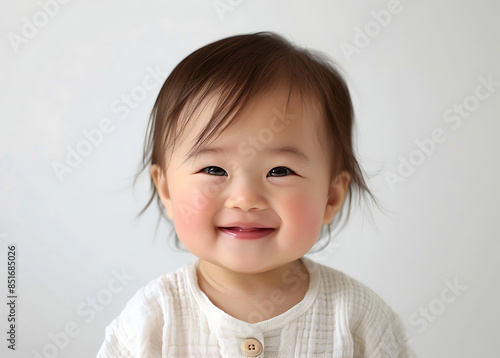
250, 152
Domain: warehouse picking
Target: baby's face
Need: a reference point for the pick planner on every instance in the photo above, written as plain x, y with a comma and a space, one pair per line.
255, 198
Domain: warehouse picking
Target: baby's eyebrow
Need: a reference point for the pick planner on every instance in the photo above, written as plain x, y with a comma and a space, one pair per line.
290, 150
279, 150
204, 150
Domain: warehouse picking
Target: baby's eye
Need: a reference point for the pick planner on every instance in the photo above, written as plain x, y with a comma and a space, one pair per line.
280, 172
214, 171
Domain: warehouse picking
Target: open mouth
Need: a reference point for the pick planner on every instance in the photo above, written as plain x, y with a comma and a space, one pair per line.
239, 232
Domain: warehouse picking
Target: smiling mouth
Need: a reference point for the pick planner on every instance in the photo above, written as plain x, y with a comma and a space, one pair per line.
245, 229
239, 232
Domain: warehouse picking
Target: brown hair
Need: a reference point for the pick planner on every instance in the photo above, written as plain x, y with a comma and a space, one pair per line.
237, 69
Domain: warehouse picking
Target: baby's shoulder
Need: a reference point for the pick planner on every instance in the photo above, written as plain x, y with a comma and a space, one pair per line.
360, 301
165, 290
156, 300
140, 324
373, 324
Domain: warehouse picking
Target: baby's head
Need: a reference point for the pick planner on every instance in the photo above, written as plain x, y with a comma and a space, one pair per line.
250, 148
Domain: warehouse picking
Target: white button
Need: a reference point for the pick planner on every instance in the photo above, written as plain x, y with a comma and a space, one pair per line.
251, 347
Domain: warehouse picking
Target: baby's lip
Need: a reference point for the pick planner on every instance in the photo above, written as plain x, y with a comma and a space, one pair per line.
246, 232
246, 229
245, 226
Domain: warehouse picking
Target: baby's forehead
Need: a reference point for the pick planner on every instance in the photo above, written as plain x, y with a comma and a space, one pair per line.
202, 122
214, 107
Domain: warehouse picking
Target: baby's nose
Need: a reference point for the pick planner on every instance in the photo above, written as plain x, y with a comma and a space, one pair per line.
246, 194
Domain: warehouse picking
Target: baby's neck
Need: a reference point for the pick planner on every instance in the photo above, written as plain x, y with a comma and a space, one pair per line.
257, 297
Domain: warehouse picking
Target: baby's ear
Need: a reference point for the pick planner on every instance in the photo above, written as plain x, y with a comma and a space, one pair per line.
160, 180
336, 197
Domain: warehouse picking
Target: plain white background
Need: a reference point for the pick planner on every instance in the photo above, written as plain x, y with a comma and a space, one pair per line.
71, 69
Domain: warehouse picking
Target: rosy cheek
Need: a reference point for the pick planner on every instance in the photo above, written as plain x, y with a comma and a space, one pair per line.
187, 210
305, 213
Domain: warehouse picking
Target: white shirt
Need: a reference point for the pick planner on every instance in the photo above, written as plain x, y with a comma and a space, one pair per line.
338, 317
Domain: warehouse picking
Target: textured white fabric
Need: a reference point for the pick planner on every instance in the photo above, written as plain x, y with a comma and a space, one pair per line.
338, 317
